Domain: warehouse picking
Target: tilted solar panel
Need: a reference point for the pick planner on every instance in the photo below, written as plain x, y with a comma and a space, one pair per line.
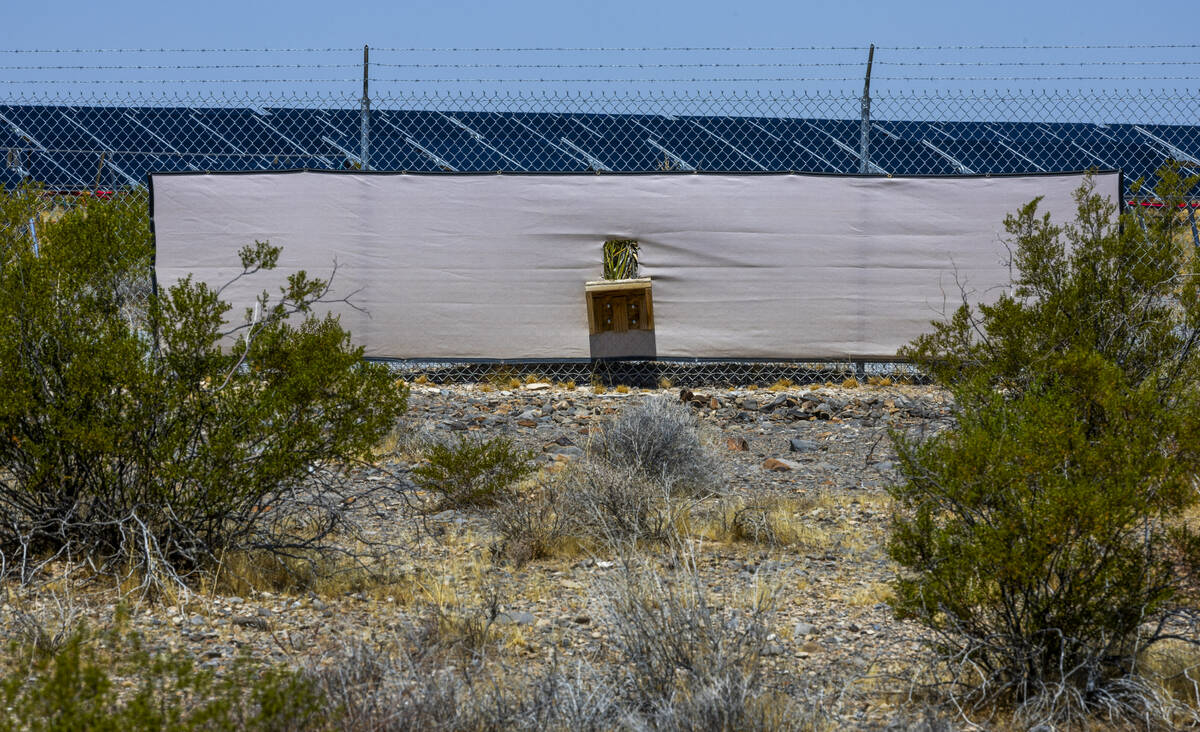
79, 147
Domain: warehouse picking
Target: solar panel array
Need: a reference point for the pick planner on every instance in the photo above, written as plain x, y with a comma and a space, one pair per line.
112, 147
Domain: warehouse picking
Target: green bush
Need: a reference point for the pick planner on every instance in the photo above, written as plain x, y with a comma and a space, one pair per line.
146, 429
78, 688
472, 472
1037, 535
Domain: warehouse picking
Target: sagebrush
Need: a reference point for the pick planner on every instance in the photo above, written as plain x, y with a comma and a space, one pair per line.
659, 438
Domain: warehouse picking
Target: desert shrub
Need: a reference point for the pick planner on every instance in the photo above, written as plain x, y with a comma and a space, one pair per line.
591, 504
1122, 287
79, 686
689, 664
769, 520
390, 687
473, 472
161, 440
659, 438
532, 525
1037, 534
614, 503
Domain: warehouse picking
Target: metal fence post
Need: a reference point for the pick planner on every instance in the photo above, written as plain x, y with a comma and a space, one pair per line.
365, 114
864, 130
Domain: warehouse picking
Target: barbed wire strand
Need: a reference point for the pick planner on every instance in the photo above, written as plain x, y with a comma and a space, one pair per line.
563, 49
917, 64
573, 80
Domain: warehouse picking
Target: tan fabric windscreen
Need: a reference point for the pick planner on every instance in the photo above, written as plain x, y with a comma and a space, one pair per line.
493, 266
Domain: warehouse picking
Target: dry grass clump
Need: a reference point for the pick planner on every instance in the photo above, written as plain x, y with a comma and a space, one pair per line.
850, 383
689, 663
772, 521
591, 504
645, 471
680, 663
533, 525
360, 567
398, 686
607, 502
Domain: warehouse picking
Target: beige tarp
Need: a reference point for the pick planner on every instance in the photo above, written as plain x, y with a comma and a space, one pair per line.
493, 266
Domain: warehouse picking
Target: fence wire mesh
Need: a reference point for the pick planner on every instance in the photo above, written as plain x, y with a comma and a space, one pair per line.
650, 374
95, 123
77, 143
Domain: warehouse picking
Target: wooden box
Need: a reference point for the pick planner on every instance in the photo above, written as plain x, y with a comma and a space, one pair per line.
619, 306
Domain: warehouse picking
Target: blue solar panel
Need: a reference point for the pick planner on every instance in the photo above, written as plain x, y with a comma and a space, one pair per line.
80, 146
908, 157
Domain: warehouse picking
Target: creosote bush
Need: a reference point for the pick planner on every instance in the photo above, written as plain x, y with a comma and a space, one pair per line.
147, 430
473, 472
1039, 535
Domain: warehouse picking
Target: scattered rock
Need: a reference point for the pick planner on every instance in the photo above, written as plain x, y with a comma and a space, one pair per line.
737, 444
802, 629
517, 617
780, 466
537, 386
250, 621
797, 444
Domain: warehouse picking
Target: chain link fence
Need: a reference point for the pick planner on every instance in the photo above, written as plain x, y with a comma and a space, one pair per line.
100, 131
73, 144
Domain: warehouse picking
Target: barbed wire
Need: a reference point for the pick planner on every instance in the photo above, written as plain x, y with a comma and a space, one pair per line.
1109, 46
179, 81
843, 64
178, 50
885, 62
177, 67
565, 49
613, 80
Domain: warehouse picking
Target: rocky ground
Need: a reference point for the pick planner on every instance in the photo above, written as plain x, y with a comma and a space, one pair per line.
819, 456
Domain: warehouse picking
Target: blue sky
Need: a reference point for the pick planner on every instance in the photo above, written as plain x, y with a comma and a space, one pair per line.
854, 24
224, 23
